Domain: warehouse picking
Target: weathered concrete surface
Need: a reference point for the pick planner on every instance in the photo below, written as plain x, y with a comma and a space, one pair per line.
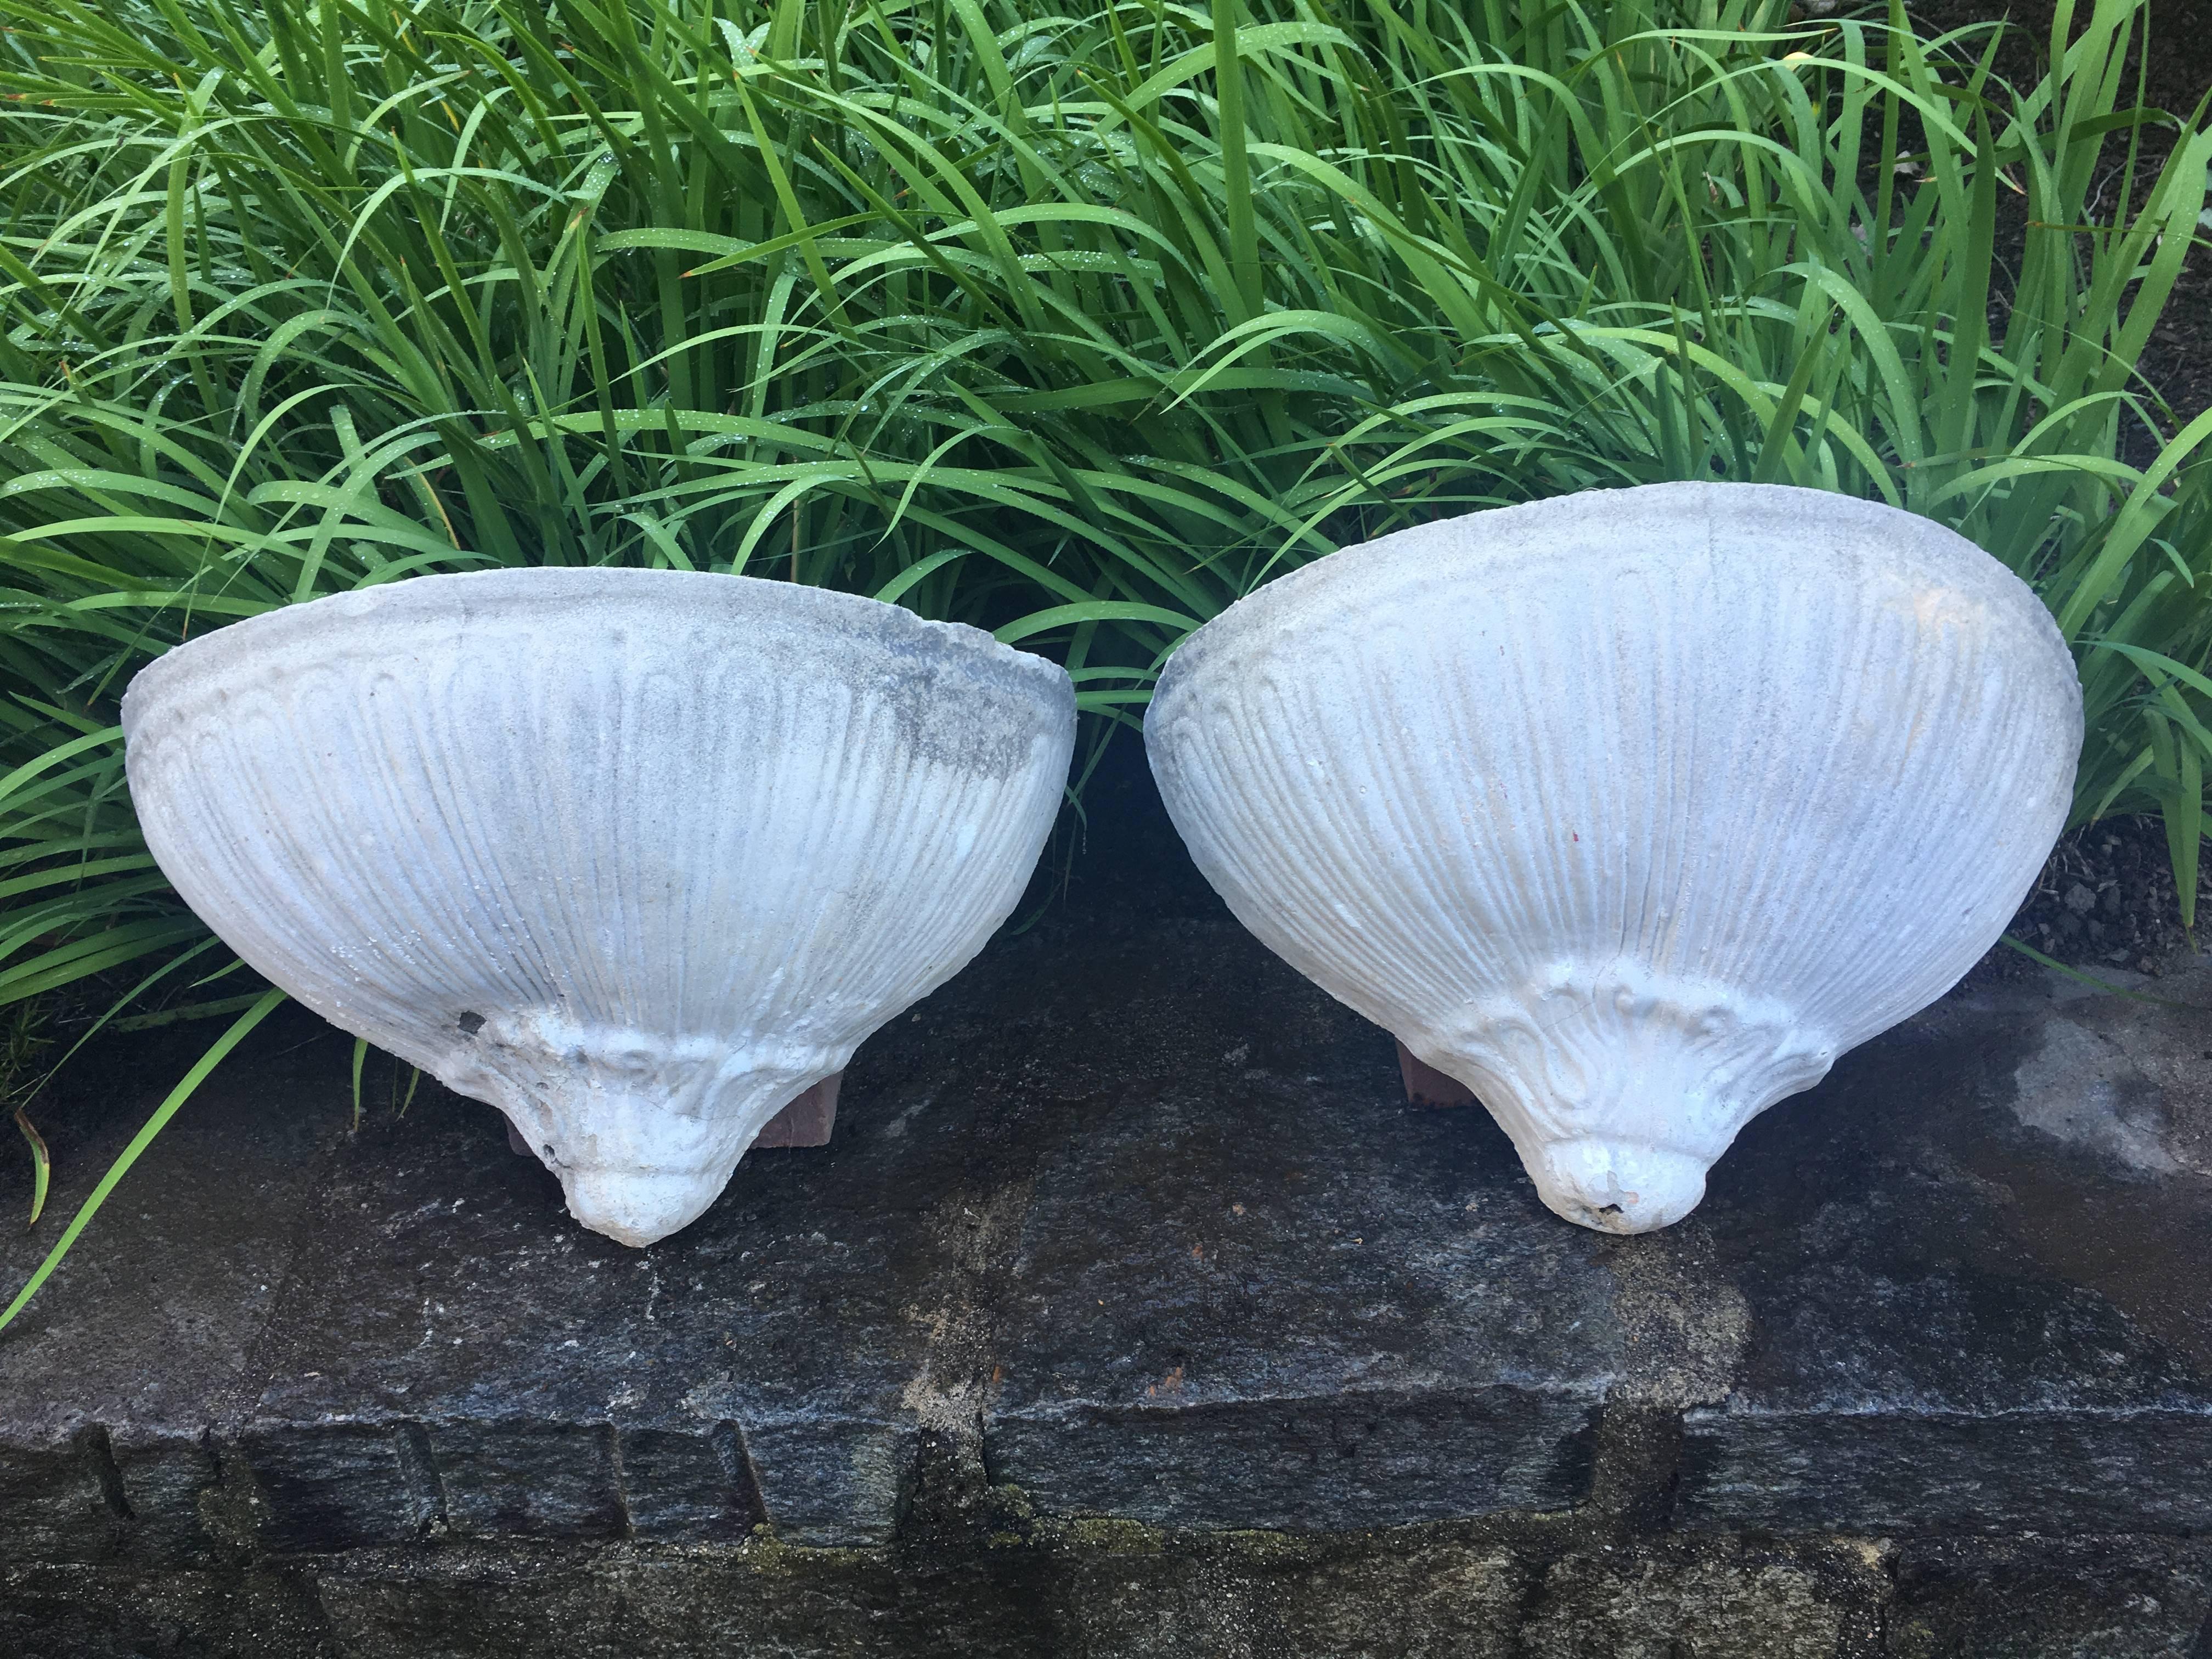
1133, 1310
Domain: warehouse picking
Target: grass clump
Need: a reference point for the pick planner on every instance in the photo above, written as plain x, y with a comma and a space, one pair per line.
1077, 325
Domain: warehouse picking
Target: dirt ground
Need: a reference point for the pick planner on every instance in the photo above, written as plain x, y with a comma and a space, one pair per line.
2104, 900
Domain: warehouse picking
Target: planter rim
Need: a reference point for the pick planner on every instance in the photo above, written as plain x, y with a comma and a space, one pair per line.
1605, 517
593, 589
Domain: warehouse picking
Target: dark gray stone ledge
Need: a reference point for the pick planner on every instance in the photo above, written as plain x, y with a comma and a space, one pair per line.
1302, 1464
1128, 1222
1890, 1473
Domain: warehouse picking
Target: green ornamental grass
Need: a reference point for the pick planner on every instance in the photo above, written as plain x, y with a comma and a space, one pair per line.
1075, 325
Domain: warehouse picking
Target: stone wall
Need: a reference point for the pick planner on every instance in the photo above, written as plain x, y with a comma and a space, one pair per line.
1133, 1310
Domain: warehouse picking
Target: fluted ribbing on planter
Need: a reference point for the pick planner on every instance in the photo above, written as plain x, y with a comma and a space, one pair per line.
1631, 810
635, 856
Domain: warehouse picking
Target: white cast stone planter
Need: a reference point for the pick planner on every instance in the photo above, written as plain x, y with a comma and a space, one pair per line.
637, 856
1632, 810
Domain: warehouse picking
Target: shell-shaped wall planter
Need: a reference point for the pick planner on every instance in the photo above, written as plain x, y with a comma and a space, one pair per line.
637, 856
1630, 809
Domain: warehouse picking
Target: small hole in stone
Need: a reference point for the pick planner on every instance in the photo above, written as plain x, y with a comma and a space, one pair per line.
471, 1024
549, 1152
1608, 1209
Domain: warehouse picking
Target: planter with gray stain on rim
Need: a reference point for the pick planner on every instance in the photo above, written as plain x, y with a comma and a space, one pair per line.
637, 856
